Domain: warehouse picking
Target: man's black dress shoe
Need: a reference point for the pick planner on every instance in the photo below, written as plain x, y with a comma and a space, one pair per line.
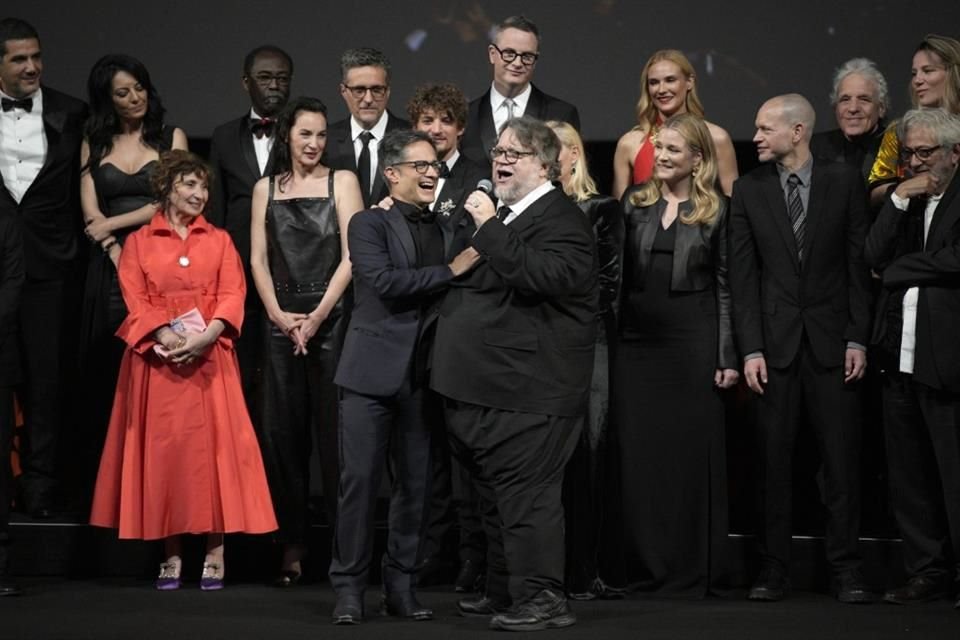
771, 585
404, 605
918, 589
470, 578
546, 610
484, 606
8, 587
433, 571
850, 588
349, 609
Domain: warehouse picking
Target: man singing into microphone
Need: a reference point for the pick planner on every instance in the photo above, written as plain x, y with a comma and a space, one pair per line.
513, 356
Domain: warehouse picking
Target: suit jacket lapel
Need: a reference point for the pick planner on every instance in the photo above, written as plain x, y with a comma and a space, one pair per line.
488, 132
819, 188
246, 147
536, 105
399, 225
777, 207
53, 123
945, 215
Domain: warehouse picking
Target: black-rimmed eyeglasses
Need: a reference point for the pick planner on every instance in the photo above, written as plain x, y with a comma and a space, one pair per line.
358, 92
922, 153
509, 55
510, 156
421, 166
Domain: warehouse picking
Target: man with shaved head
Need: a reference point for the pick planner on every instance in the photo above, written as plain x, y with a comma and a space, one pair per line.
800, 291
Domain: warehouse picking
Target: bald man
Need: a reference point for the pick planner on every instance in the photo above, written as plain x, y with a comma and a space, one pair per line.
800, 292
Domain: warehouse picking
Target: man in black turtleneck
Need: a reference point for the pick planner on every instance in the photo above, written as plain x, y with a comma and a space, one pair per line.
400, 272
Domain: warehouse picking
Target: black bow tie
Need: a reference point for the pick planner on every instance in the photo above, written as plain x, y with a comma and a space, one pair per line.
17, 103
262, 127
420, 216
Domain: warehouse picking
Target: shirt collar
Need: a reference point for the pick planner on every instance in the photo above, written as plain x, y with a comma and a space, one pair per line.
378, 130
804, 173
36, 96
159, 224
521, 205
452, 160
520, 100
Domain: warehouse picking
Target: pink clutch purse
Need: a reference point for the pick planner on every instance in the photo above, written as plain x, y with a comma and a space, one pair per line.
189, 322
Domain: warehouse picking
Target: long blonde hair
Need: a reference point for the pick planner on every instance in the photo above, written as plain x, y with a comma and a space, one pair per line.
646, 110
582, 186
948, 50
703, 193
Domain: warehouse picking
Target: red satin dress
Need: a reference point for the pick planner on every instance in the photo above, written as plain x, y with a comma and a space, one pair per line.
181, 455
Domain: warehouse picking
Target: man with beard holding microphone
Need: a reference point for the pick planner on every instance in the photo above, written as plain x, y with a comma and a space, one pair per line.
513, 357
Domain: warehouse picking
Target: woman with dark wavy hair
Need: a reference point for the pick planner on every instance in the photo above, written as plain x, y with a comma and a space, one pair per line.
124, 137
301, 267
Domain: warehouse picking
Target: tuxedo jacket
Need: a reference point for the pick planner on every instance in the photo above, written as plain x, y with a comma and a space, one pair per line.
235, 168
481, 136
49, 212
460, 182
517, 333
699, 262
11, 284
896, 250
776, 299
389, 290
339, 154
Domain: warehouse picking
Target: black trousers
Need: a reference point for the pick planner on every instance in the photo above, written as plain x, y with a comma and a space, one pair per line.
832, 411
300, 408
518, 460
41, 332
6, 436
922, 428
371, 429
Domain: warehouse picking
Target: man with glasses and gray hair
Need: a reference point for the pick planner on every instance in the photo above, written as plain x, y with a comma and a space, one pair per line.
915, 246
354, 143
513, 56
513, 358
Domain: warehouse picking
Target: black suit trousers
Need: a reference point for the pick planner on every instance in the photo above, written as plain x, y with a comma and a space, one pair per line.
371, 429
6, 437
518, 460
922, 432
832, 410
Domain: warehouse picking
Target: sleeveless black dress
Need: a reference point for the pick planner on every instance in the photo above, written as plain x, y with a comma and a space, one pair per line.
300, 399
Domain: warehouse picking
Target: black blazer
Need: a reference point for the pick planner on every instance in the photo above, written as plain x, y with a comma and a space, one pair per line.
605, 217
776, 300
517, 333
339, 154
895, 249
388, 291
860, 153
11, 284
460, 182
699, 261
481, 136
235, 168
49, 212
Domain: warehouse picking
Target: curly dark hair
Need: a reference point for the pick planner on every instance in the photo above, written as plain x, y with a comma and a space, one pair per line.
103, 122
282, 161
173, 165
442, 99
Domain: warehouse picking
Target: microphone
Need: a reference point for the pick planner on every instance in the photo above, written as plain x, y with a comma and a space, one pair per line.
487, 187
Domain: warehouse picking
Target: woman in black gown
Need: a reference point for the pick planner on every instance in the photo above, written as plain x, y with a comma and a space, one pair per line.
676, 352
124, 136
301, 267
591, 494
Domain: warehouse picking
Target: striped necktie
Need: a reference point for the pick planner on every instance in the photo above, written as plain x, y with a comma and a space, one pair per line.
798, 217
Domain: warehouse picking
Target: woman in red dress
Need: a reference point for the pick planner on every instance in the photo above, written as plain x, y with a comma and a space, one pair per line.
181, 455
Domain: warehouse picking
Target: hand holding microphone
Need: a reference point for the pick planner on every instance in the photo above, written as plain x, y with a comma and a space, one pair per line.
480, 203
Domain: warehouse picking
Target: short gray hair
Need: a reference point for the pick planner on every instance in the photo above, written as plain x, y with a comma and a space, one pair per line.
866, 68
363, 57
539, 138
393, 148
795, 109
944, 125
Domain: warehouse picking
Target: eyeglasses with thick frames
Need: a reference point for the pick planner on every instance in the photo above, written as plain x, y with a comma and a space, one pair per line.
510, 156
378, 91
509, 55
421, 166
265, 79
923, 153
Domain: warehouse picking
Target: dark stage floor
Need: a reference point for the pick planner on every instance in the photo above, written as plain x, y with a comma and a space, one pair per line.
127, 608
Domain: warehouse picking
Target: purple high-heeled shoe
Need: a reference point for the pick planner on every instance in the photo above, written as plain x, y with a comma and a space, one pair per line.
212, 577
169, 578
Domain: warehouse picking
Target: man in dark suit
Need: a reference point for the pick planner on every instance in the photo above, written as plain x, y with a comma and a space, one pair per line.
400, 271
860, 99
240, 155
513, 55
915, 246
40, 134
440, 111
353, 143
800, 293
513, 356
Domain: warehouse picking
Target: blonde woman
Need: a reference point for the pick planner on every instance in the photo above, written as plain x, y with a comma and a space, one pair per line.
674, 357
667, 87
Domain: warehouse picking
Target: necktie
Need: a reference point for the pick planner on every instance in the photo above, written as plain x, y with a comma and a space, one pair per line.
17, 103
261, 127
363, 164
503, 212
509, 104
798, 217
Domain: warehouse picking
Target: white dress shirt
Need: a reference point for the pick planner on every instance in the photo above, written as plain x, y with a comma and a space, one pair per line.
908, 338
521, 205
23, 146
499, 109
378, 130
261, 146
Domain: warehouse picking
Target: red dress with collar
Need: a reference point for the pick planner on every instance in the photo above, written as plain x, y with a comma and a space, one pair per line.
181, 455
